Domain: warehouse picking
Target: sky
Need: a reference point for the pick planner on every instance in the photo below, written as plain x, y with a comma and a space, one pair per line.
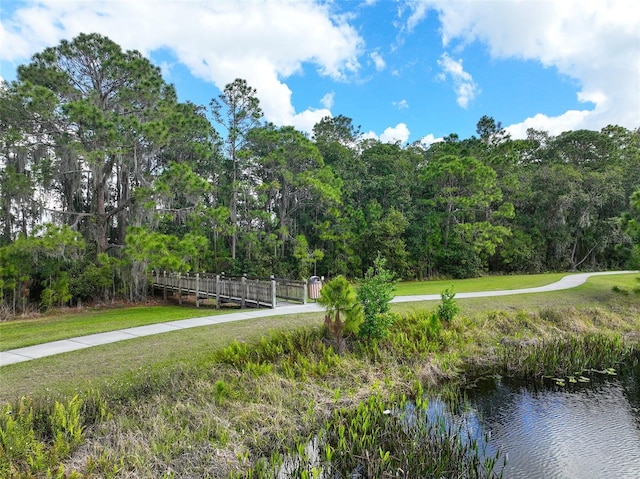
403, 70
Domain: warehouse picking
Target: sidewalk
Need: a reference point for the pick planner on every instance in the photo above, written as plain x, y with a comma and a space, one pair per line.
67, 345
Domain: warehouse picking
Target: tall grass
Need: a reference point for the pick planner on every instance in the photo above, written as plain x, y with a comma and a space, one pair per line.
392, 437
568, 356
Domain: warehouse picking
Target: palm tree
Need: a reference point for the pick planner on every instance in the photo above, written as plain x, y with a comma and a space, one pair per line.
343, 311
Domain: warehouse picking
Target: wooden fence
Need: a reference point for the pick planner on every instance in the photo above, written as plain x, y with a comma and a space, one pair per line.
242, 290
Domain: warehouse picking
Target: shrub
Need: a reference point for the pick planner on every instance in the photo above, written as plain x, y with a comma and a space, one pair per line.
375, 294
344, 313
448, 307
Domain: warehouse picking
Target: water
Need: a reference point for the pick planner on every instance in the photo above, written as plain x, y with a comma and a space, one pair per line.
581, 431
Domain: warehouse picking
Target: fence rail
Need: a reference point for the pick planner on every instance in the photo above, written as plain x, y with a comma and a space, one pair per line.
242, 290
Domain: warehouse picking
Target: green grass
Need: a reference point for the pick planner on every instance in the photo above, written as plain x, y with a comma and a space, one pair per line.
69, 373
27, 332
488, 283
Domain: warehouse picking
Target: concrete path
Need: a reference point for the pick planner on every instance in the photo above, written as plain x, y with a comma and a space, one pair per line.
66, 345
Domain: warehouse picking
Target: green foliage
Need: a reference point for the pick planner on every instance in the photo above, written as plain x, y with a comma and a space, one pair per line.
415, 335
385, 437
375, 294
57, 293
35, 439
344, 313
448, 308
164, 252
306, 258
564, 356
40, 263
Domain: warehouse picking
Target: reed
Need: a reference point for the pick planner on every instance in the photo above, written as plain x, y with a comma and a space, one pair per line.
393, 437
561, 357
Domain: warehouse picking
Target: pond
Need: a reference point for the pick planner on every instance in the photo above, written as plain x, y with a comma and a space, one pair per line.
576, 431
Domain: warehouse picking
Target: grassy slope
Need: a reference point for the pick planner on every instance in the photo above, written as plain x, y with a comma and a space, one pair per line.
77, 371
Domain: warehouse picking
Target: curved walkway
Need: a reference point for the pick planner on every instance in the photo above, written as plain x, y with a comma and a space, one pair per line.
66, 345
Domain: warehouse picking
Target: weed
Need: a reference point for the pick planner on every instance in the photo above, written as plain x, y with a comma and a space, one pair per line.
35, 437
560, 357
619, 290
551, 315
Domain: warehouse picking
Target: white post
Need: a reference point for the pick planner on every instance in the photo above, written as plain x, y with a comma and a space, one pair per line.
244, 290
274, 300
197, 290
217, 291
304, 291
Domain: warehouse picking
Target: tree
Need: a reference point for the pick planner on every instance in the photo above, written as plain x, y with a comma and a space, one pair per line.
305, 256
25, 154
633, 229
388, 169
375, 294
108, 128
491, 132
470, 207
343, 311
237, 109
33, 264
383, 235
339, 141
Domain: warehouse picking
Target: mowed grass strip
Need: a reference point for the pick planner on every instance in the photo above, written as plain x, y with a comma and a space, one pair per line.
27, 332
487, 283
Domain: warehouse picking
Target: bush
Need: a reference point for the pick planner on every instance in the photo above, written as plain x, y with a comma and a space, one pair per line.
375, 294
448, 307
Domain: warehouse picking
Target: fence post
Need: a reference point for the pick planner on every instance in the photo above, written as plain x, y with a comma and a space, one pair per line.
244, 291
180, 288
197, 290
305, 288
274, 300
164, 283
217, 291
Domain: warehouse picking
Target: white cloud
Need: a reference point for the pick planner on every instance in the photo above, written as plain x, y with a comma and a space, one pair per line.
554, 125
378, 61
217, 41
419, 12
327, 100
596, 42
430, 139
466, 89
306, 120
394, 134
401, 105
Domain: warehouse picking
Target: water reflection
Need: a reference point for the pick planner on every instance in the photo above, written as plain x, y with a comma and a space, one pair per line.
586, 431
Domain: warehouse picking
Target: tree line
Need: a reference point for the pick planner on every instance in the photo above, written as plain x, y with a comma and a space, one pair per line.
106, 176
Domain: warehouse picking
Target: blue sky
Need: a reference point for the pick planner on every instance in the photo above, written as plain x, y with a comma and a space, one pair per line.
405, 70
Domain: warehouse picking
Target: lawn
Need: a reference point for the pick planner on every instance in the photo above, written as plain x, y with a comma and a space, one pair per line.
27, 332
487, 283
